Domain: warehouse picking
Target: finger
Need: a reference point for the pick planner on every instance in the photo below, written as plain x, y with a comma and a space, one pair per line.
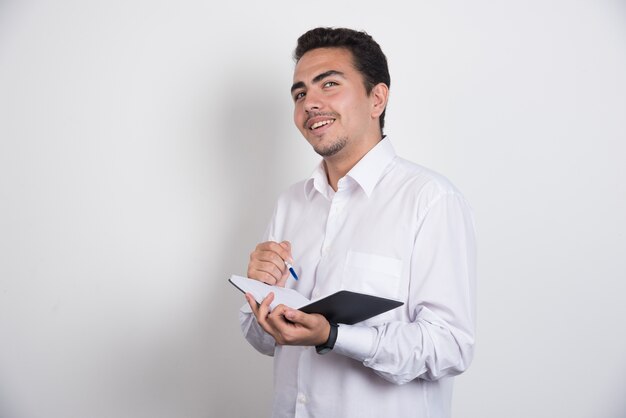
253, 304
297, 316
272, 261
264, 307
266, 253
283, 279
287, 246
264, 271
261, 276
283, 252
272, 257
277, 321
316, 326
278, 311
306, 320
263, 246
262, 312
283, 249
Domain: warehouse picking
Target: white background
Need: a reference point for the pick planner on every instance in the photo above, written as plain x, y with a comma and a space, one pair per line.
143, 144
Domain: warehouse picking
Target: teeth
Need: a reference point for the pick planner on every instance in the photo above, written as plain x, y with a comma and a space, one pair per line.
321, 123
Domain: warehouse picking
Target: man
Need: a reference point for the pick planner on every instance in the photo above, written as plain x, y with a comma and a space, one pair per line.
371, 222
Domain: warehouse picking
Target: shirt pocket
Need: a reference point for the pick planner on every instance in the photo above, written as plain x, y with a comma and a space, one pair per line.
372, 274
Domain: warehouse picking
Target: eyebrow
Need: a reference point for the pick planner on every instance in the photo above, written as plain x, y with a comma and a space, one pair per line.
317, 79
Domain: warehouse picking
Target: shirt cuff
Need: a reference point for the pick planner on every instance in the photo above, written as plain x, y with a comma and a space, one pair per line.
356, 342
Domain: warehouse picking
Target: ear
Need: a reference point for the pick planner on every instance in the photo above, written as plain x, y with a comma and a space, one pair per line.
379, 95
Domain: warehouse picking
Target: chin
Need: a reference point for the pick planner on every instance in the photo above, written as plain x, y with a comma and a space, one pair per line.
332, 149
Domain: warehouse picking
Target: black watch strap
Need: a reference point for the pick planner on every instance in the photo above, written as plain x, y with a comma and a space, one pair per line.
330, 343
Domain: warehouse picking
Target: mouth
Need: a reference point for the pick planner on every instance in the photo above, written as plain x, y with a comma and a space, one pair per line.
320, 123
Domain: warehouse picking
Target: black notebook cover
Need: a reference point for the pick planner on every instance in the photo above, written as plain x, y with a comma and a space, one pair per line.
342, 307
346, 307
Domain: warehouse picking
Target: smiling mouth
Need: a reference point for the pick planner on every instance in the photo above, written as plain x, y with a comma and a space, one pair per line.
321, 123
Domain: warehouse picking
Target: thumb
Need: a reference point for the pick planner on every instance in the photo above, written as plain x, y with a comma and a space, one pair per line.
296, 316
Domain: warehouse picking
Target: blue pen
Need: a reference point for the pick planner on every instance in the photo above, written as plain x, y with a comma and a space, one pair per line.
291, 270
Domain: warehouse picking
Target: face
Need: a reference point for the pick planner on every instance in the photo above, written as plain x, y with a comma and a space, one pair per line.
332, 110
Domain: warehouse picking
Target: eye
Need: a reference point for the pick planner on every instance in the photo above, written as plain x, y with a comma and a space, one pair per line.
298, 96
330, 84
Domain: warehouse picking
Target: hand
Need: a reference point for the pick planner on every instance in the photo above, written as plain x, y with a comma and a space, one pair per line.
289, 326
267, 262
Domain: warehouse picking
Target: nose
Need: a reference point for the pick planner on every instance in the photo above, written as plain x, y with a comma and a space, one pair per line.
312, 101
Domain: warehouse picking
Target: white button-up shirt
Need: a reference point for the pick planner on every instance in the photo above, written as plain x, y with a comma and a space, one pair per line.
392, 229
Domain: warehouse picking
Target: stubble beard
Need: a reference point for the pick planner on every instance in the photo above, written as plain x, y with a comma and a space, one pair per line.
333, 148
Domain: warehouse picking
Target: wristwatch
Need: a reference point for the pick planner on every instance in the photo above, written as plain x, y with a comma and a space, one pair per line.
330, 343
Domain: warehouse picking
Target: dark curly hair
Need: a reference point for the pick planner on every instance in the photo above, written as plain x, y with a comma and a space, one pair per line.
368, 58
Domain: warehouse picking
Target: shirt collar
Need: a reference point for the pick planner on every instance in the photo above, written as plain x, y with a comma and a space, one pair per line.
318, 181
366, 173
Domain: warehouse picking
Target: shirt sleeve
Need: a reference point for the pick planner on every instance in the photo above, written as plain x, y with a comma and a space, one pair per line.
254, 334
252, 331
438, 340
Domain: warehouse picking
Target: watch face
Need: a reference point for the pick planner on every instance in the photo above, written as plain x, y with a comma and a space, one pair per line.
323, 350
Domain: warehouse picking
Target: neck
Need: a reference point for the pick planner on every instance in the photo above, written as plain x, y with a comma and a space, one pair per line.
337, 166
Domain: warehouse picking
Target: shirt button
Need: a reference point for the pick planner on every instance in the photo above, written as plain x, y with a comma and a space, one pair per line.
301, 398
